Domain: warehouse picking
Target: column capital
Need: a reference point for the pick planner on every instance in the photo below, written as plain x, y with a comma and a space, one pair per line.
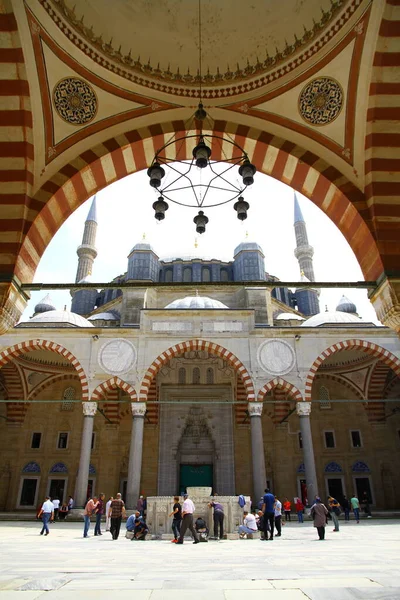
303, 409
138, 409
12, 304
255, 409
89, 408
386, 302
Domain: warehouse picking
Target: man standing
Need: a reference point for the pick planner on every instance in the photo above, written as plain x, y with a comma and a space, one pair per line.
188, 509
47, 514
346, 508
278, 516
355, 505
90, 508
107, 513
177, 518
117, 509
334, 508
269, 514
70, 503
99, 514
218, 519
56, 504
287, 507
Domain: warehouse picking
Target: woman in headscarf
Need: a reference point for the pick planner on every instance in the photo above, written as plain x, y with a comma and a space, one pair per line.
319, 513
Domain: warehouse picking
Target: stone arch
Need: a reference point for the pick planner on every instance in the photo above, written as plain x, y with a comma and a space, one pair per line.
347, 384
23, 347
196, 345
367, 347
113, 159
50, 381
278, 382
113, 382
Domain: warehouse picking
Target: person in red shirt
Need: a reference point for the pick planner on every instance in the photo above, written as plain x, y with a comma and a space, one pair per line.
300, 510
287, 507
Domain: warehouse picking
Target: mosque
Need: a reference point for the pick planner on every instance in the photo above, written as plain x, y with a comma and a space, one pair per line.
154, 388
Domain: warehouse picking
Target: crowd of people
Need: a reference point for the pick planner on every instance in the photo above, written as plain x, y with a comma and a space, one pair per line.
266, 517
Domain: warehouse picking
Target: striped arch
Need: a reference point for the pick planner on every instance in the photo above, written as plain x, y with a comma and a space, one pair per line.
290, 389
112, 383
24, 347
134, 150
15, 411
51, 381
350, 386
376, 391
191, 345
368, 347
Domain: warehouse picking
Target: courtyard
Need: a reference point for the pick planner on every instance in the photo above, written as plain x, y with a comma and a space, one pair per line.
359, 562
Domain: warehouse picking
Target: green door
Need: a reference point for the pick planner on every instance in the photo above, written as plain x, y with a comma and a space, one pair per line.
195, 476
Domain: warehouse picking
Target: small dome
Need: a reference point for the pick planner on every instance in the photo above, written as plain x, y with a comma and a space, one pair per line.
334, 318
289, 317
345, 305
143, 247
44, 305
104, 316
64, 318
196, 302
249, 246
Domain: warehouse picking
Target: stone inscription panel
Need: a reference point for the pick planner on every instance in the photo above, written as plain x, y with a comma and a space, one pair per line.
276, 357
117, 356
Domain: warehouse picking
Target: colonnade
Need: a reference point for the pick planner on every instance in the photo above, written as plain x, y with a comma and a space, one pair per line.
136, 448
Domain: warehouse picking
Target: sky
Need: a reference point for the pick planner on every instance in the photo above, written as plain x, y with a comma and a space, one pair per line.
125, 214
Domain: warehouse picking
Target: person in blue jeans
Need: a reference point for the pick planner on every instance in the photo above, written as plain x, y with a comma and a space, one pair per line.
99, 514
46, 513
90, 509
269, 514
355, 505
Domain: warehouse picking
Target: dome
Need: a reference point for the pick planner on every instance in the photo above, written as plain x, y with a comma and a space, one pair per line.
104, 316
63, 318
345, 305
196, 302
334, 318
44, 305
289, 317
143, 247
248, 246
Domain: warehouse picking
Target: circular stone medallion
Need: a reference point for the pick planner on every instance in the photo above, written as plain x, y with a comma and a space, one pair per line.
321, 101
75, 101
276, 357
117, 356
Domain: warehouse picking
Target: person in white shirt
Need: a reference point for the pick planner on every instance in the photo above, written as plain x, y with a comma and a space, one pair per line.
278, 516
56, 504
108, 518
249, 524
188, 509
70, 503
46, 514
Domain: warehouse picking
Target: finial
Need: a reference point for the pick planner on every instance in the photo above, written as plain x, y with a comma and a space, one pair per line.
65, 307
302, 273
197, 293
195, 243
144, 237
326, 308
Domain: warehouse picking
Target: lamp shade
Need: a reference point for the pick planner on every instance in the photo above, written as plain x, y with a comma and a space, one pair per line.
201, 154
241, 206
201, 221
160, 206
156, 173
247, 171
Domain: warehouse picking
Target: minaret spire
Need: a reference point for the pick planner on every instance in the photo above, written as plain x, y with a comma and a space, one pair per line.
87, 250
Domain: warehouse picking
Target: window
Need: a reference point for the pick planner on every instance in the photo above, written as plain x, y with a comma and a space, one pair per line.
329, 439
182, 376
196, 375
224, 275
355, 439
168, 276
324, 398
93, 440
210, 376
187, 274
300, 441
62, 440
206, 274
36, 439
68, 399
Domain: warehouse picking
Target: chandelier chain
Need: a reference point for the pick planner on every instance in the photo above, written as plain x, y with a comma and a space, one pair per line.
200, 53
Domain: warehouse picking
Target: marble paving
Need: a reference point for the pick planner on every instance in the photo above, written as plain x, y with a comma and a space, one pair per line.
360, 562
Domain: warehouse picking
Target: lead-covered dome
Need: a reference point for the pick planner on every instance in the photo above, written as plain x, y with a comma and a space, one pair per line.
45, 305
58, 318
335, 318
249, 247
345, 305
196, 302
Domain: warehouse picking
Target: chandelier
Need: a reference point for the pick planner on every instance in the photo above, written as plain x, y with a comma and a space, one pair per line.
202, 181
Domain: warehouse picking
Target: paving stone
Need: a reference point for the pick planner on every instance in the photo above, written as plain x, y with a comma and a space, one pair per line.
360, 582
44, 584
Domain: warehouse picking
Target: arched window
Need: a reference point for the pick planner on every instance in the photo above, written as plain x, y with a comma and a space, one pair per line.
31, 467
182, 375
168, 276
187, 274
196, 375
59, 468
68, 398
210, 376
224, 275
206, 274
324, 398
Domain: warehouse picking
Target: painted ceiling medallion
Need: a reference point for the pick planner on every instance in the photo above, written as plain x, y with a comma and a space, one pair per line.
321, 101
75, 101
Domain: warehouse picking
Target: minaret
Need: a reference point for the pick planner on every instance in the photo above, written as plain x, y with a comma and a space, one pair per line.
306, 298
87, 251
303, 252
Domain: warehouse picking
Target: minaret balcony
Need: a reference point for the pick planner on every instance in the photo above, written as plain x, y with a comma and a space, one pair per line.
304, 251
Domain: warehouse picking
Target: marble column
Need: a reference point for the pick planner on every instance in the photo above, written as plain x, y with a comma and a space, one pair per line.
303, 410
135, 454
257, 449
89, 410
